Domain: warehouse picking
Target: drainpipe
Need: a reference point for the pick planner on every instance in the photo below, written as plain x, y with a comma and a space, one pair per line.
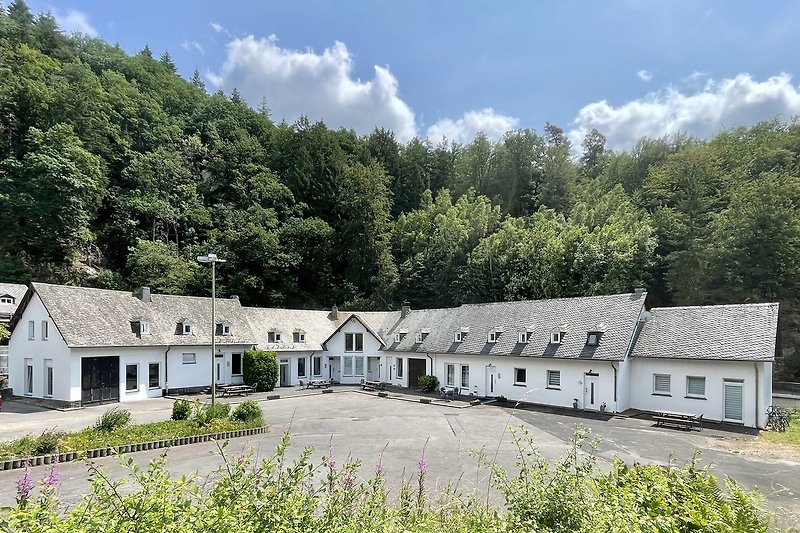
755, 365
166, 371
615, 384
433, 372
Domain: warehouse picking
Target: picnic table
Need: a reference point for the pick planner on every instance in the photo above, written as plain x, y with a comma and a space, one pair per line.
230, 390
318, 384
372, 385
687, 421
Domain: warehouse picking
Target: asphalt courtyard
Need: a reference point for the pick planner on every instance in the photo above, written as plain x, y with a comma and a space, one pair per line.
352, 424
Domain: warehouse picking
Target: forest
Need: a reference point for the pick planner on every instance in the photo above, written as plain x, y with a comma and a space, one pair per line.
116, 172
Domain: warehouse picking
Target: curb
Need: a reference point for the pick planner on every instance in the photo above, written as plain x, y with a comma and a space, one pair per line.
64, 457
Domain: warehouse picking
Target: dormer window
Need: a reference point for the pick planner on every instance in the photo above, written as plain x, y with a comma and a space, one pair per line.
7, 299
458, 337
421, 336
557, 334
594, 335
226, 329
495, 334
400, 335
144, 328
299, 336
525, 336
187, 328
273, 336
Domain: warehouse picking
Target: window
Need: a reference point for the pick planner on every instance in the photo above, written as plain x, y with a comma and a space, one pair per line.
187, 328
493, 336
45, 330
696, 386
28, 377
450, 381
524, 337
348, 365
153, 376
274, 336
189, 358
464, 376
226, 329
661, 383
316, 365
301, 367
144, 328
593, 339
354, 342
397, 337
459, 337
553, 379
418, 339
359, 365
48, 378
400, 367
555, 337
6, 300
132, 377
236, 364
31, 330
520, 376
299, 336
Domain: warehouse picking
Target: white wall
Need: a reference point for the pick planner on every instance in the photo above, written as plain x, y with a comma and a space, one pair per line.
20, 348
715, 372
623, 385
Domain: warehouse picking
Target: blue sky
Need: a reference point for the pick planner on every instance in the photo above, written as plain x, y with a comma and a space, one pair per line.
451, 68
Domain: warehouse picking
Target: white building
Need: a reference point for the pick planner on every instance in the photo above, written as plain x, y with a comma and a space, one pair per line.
603, 353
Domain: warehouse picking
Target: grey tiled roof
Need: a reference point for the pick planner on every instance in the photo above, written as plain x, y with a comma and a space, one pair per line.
14, 290
617, 313
99, 317
743, 332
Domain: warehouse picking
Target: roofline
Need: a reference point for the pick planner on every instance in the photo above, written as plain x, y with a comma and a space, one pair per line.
173, 345
362, 322
592, 297
717, 306
510, 355
769, 360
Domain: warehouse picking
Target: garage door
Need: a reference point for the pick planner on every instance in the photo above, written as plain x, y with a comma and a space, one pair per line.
416, 369
734, 399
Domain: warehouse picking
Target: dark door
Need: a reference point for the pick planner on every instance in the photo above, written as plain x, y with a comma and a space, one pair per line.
99, 380
416, 369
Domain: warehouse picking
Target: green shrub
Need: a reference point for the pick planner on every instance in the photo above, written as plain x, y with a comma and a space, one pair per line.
46, 444
428, 383
181, 410
249, 412
208, 413
260, 367
113, 419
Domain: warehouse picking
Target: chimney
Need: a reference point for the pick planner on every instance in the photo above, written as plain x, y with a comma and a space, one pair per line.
144, 294
405, 310
235, 297
638, 291
334, 312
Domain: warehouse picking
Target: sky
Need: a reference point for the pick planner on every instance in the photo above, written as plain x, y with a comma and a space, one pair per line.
449, 69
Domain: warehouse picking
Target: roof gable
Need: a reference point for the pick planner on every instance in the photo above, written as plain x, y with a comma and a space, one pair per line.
364, 323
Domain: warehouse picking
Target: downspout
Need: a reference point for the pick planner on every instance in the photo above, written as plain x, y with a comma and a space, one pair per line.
755, 365
615, 385
433, 371
166, 371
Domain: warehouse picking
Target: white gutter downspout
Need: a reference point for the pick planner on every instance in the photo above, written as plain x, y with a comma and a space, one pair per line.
755, 365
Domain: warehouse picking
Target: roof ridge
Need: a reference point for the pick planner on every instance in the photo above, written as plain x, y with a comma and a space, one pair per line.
710, 306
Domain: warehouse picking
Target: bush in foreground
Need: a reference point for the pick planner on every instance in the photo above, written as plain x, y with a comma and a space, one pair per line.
260, 367
428, 383
112, 419
248, 411
181, 410
278, 494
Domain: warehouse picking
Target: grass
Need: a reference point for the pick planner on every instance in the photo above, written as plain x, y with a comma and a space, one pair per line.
91, 438
790, 436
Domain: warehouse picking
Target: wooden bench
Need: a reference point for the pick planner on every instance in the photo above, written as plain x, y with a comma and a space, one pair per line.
239, 390
318, 384
372, 385
686, 421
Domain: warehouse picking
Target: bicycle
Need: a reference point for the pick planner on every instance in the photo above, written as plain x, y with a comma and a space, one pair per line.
777, 418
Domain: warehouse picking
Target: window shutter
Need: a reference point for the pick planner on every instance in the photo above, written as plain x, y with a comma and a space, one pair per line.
662, 383
696, 386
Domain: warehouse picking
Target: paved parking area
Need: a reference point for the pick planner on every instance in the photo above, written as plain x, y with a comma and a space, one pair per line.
359, 425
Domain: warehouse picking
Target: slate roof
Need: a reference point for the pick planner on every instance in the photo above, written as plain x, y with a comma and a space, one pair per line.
739, 332
99, 317
14, 290
617, 313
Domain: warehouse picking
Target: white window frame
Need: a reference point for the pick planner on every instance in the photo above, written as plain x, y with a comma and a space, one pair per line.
556, 337
127, 365
359, 359
589, 338
189, 358
299, 337
28, 377
554, 379
350, 344
397, 337
418, 338
49, 378
188, 328
695, 395
316, 361
516, 375
450, 375
399, 364
348, 361
492, 337
150, 385
6, 300
458, 337
524, 337
465, 382
144, 328
305, 367
226, 330
45, 329
31, 330
661, 391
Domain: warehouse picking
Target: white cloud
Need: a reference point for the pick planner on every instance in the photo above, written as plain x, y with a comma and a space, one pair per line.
193, 45
464, 129
219, 28
644, 75
320, 86
74, 21
723, 104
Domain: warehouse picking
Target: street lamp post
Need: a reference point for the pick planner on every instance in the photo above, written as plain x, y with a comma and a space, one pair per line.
213, 259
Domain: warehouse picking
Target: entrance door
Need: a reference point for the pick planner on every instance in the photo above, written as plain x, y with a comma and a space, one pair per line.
416, 369
491, 379
373, 369
734, 400
99, 380
220, 373
284, 376
590, 392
